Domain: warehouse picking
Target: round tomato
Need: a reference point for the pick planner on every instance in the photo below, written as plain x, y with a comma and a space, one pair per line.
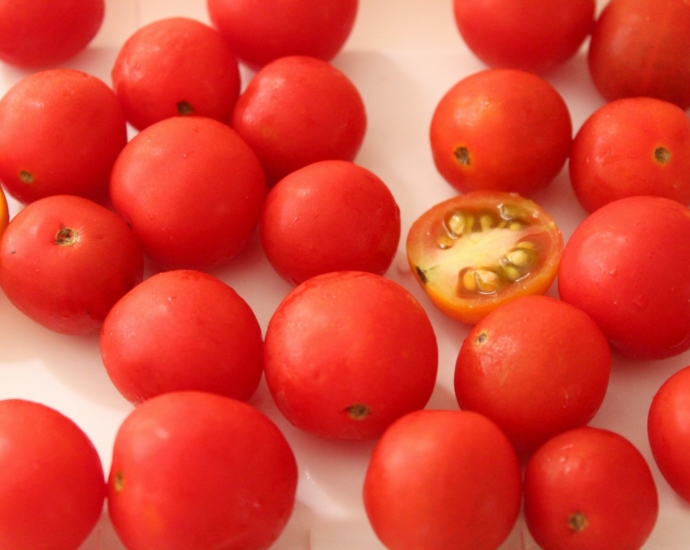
632, 146
62, 130
589, 489
531, 35
626, 266
198, 470
640, 48
443, 479
53, 487
500, 130
347, 353
474, 252
4, 212
65, 261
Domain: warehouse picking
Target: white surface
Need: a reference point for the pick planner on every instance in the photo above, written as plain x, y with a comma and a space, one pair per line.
403, 55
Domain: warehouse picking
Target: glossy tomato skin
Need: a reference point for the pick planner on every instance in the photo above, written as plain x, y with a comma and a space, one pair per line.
632, 146
535, 36
500, 130
198, 470
52, 478
347, 353
626, 266
176, 66
182, 330
442, 480
589, 489
261, 32
62, 131
65, 261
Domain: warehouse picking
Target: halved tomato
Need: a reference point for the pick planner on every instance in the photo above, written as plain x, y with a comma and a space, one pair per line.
476, 251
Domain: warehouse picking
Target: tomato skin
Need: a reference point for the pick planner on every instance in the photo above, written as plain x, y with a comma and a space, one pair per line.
443, 479
626, 266
197, 470
52, 479
596, 480
4, 212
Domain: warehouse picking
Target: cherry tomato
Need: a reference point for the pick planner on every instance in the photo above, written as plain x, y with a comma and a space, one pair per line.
53, 487
474, 252
65, 261
500, 130
198, 470
4, 212
626, 266
443, 479
589, 489
347, 353
632, 146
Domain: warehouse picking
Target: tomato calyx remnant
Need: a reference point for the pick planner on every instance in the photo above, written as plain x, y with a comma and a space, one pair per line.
119, 481
462, 155
358, 411
66, 236
26, 176
662, 155
577, 522
184, 108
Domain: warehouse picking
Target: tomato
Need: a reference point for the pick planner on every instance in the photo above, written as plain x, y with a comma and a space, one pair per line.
474, 252
176, 67
261, 32
298, 110
191, 189
182, 330
632, 146
198, 470
626, 266
330, 216
346, 353
589, 489
500, 130
640, 48
531, 35
4, 212
36, 33
62, 130
65, 261
443, 479
53, 487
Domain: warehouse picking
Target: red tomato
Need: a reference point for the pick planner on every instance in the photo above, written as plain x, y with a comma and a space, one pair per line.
53, 488
61, 133
182, 330
4, 212
347, 353
65, 261
192, 189
474, 252
533, 35
298, 110
632, 146
626, 266
500, 130
36, 33
640, 48
442, 480
330, 216
589, 489
261, 32
197, 470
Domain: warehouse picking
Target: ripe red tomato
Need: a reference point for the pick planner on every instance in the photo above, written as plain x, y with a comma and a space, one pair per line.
61, 133
347, 353
640, 48
474, 252
298, 110
589, 489
197, 470
441, 480
4, 212
65, 261
626, 266
262, 32
632, 146
191, 189
501, 130
330, 216
531, 35
53, 487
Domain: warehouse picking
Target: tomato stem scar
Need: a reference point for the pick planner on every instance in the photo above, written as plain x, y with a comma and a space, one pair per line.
662, 155
26, 176
577, 521
184, 108
358, 411
66, 236
462, 155
119, 481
